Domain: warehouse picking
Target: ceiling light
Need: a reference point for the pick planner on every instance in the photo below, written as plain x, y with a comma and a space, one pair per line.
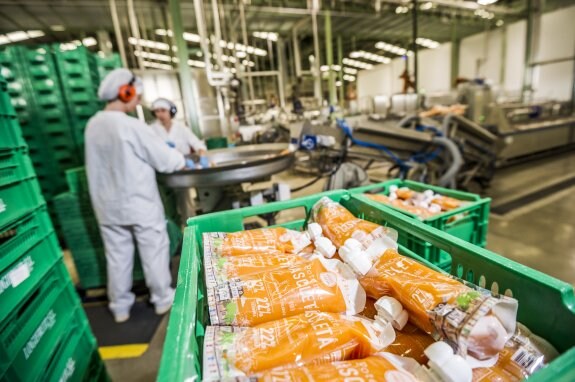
155, 56
427, 43
370, 56
427, 6
499, 23
241, 54
357, 64
4, 40
350, 71
391, 48
197, 64
486, 2
324, 68
17, 36
192, 37
349, 78
148, 43
156, 65
401, 9
34, 34
271, 36
336, 68
58, 28
338, 83
89, 41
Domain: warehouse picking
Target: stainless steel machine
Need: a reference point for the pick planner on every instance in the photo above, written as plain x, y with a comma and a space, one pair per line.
230, 182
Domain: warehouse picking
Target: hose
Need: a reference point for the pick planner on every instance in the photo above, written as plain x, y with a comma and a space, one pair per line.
448, 178
408, 119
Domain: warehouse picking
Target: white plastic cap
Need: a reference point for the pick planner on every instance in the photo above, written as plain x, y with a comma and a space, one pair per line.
428, 193
434, 208
392, 311
392, 196
448, 366
393, 189
353, 256
314, 230
325, 247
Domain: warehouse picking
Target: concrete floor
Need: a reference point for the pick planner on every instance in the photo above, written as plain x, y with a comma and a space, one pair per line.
540, 235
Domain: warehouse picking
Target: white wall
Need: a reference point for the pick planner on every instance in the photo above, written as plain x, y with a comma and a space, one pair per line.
483, 54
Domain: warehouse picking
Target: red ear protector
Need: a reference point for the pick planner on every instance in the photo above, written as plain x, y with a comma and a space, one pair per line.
127, 92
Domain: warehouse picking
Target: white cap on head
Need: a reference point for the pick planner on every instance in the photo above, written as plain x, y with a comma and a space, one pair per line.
109, 87
161, 103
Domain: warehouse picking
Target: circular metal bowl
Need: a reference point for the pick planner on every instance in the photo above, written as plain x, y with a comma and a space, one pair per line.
235, 165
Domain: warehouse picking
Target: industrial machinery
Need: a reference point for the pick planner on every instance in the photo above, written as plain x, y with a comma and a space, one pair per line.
239, 176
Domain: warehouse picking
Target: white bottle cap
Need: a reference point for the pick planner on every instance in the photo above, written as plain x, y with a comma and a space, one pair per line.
353, 256
428, 193
314, 230
325, 247
393, 189
434, 208
448, 366
392, 196
391, 310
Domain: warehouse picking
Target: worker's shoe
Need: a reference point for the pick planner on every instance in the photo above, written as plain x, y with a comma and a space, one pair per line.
122, 317
161, 310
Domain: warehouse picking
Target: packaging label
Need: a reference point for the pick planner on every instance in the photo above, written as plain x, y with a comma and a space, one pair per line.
68, 370
47, 323
17, 275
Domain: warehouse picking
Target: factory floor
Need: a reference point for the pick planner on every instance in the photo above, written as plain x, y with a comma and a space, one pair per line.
537, 229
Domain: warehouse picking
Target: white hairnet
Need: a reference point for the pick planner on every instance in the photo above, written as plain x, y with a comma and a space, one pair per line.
108, 90
161, 103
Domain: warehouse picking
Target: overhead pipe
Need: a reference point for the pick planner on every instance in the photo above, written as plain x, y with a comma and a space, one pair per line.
245, 42
135, 32
118, 33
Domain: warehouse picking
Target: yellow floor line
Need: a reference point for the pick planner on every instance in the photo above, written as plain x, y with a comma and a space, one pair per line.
122, 351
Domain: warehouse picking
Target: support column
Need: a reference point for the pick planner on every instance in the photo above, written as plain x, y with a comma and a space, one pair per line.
118, 33
316, 71
531, 45
245, 43
104, 43
455, 45
329, 59
135, 32
340, 73
282, 69
185, 73
296, 53
414, 37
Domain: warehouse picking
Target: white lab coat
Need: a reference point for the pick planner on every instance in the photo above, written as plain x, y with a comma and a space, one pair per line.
180, 135
122, 157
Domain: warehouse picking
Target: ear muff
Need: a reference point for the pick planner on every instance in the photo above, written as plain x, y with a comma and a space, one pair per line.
127, 92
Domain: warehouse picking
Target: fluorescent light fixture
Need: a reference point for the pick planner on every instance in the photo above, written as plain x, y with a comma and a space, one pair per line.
155, 56
89, 41
427, 43
349, 71
58, 28
499, 23
349, 78
251, 64
4, 40
148, 43
338, 83
401, 9
427, 6
197, 64
484, 14
266, 35
391, 48
35, 34
370, 56
17, 36
357, 64
156, 65
241, 54
192, 37
486, 2
324, 68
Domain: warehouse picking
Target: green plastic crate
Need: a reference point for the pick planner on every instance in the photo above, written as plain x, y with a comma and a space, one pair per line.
15, 165
469, 222
546, 305
97, 370
32, 330
18, 198
73, 355
33, 263
10, 133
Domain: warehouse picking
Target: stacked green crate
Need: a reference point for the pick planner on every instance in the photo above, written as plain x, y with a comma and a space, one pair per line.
44, 333
38, 100
78, 73
108, 63
82, 235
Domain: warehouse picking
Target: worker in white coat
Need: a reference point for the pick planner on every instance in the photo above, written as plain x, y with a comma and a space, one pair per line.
174, 133
122, 157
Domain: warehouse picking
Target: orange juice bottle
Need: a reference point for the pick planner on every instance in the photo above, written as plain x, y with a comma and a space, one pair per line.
319, 284
338, 224
270, 241
220, 269
306, 339
440, 305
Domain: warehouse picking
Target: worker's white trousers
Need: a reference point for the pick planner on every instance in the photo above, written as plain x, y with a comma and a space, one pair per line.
154, 249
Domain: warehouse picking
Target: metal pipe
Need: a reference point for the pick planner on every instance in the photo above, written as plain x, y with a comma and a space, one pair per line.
245, 41
281, 71
316, 71
118, 33
503, 56
104, 43
200, 20
455, 45
296, 53
186, 79
218, 31
340, 73
329, 60
414, 47
135, 32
